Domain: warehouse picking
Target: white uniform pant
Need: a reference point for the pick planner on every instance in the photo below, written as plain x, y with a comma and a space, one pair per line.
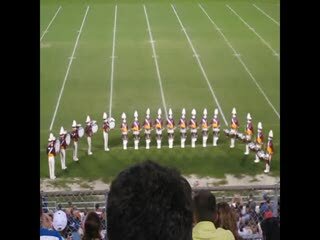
105, 138
51, 167
89, 145
63, 158
75, 151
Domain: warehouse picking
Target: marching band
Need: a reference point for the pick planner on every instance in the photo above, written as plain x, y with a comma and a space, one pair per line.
60, 145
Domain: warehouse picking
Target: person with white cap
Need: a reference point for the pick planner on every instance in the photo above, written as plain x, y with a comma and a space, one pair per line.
249, 132
135, 127
105, 129
60, 221
183, 128
259, 141
270, 151
147, 125
51, 152
63, 147
193, 125
124, 131
159, 127
215, 124
75, 138
205, 128
170, 128
88, 131
234, 127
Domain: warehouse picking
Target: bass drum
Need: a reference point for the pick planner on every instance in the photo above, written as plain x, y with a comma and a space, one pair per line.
94, 128
68, 138
80, 132
57, 145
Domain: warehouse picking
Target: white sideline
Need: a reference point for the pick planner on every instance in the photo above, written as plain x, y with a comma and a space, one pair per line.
200, 65
68, 69
113, 56
266, 15
156, 62
240, 60
45, 31
252, 29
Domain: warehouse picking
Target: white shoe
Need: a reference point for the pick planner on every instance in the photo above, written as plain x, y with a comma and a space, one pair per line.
257, 160
107, 149
90, 153
76, 159
266, 171
231, 146
64, 168
246, 153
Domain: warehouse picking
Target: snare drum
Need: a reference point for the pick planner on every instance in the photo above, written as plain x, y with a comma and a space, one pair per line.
57, 145
260, 154
252, 146
226, 131
68, 138
94, 127
232, 133
80, 132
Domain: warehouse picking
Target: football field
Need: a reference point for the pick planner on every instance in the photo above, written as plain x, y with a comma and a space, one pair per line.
120, 56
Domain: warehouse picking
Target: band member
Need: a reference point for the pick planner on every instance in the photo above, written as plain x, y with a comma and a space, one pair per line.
234, 127
105, 129
63, 147
170, 129
158, 125
205, 128
75, 138
269, 151
51, 152
193, 125
183, 128
259, 141
249, 133
215, 124
135, 127
124, 131
88, 131
147, 125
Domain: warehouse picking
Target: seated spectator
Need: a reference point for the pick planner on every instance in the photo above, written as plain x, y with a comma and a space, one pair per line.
92, 227
98, 209
60, 222
270, 227
149, 202
204, 203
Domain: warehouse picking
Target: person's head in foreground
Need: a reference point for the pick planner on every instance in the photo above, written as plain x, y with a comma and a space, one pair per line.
149, 201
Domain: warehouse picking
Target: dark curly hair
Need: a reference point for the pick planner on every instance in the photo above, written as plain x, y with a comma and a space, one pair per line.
149, 201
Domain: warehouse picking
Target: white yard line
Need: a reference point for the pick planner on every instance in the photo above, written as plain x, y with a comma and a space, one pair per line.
200, 65
266, 15
240, 60
68, 69
156, 62
45, 31
254, 31
113, 56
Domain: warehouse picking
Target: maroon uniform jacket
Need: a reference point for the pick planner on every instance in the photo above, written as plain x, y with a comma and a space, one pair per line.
63, 144
75, 135
106, 126
51, 149
88, 130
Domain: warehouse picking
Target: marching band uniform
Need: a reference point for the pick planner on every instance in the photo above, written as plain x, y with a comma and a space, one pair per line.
183, 127
259, 141
51, 152
158, 125
63, 147
234, 127
124, 131
205, 128
147, 125
249, 132
105, 129
170, 129
135, 127
88, 131
215, 124
270, 151
75, 138
193, 125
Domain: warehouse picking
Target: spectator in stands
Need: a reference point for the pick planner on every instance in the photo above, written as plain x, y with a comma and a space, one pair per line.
227, 219
60, 222
98, 210
148, 201
92, 227
270, 227
204, 203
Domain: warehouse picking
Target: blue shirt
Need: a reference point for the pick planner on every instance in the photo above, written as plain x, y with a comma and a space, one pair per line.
46, 234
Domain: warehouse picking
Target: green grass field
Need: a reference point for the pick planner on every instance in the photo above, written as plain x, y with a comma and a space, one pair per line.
71, 89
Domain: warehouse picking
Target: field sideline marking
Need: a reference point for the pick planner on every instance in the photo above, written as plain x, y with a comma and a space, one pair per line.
112, 62
200, 65
266, 15
68, 69
155, 61
252, 29
240, 60
45, 31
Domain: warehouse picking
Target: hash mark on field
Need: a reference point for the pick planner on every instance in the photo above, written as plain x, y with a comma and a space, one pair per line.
68, 69
113, 57
154, 56
257, 34
240, 60
200, 65
266, 15
45, 31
